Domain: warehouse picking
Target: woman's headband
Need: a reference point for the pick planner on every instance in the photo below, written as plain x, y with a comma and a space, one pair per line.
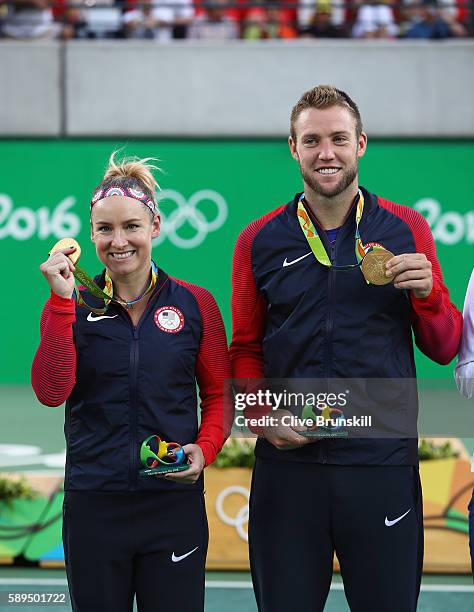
128, 192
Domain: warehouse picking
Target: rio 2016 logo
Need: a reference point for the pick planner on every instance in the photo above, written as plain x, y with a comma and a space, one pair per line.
24, 223
450, 227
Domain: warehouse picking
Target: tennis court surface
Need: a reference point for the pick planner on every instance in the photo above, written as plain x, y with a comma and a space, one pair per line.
232, 591
225, 591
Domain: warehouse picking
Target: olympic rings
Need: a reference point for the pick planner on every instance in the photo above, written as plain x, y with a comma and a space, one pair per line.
242, 516
188, 212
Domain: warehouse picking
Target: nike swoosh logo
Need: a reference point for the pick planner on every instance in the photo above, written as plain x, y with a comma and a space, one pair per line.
390, 523
290, 263
91, 318
175, 559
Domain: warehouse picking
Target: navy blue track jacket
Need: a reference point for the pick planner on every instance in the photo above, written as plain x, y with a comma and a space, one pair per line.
124, 383
295, 318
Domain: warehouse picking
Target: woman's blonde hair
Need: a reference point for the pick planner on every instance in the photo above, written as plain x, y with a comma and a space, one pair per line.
133, 168
131, 172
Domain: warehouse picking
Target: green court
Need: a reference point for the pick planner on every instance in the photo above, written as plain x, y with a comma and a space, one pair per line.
232, 592
38, 430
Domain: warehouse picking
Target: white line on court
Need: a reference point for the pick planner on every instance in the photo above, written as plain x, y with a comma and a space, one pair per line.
228, 584
234, 584
337, 586
35, 581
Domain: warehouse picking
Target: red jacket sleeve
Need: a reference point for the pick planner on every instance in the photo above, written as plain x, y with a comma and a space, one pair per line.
437, 323
212, 372
248, 318
53, 373
248, 306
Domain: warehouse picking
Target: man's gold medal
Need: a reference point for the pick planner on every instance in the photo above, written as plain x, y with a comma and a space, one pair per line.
373, 267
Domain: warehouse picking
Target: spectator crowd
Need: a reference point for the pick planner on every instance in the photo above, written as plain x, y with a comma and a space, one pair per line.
165, 20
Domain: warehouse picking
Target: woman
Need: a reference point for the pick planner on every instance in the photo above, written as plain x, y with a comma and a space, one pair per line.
128, 373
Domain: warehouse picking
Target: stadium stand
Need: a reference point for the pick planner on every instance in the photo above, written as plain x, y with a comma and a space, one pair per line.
165, 20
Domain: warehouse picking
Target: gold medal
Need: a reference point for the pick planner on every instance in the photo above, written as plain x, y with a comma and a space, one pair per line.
80, 275
373, 267
84, 279
68, 243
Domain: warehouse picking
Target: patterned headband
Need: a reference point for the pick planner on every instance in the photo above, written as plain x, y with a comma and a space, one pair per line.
128, 192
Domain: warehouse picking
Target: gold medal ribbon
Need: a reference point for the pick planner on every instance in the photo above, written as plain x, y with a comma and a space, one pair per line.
316, 244
373, 268
108, 293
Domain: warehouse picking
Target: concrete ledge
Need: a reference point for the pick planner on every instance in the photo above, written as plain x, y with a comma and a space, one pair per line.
237, 89
30, 84
248, 88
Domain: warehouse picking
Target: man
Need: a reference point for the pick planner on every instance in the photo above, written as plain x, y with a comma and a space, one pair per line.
303, 311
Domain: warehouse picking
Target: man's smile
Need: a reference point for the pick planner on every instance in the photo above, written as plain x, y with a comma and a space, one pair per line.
327, 170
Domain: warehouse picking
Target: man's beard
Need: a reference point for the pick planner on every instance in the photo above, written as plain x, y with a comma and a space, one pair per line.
346, 179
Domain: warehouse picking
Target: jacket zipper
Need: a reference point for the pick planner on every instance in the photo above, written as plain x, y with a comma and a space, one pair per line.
329, 329
134, 354
330, 313
133, 408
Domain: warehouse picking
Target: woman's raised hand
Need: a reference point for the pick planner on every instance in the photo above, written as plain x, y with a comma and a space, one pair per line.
58, 270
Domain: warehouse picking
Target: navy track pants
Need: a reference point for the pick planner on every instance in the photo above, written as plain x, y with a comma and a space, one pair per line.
371, 516
152, 544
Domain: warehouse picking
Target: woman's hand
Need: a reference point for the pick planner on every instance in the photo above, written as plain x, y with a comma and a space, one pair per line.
196, 465
58, 270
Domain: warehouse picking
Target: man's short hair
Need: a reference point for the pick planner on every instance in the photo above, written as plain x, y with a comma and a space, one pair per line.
324, 96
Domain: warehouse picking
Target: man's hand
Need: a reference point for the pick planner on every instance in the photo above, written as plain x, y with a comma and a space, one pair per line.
411, 271
196, 463
284, 437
